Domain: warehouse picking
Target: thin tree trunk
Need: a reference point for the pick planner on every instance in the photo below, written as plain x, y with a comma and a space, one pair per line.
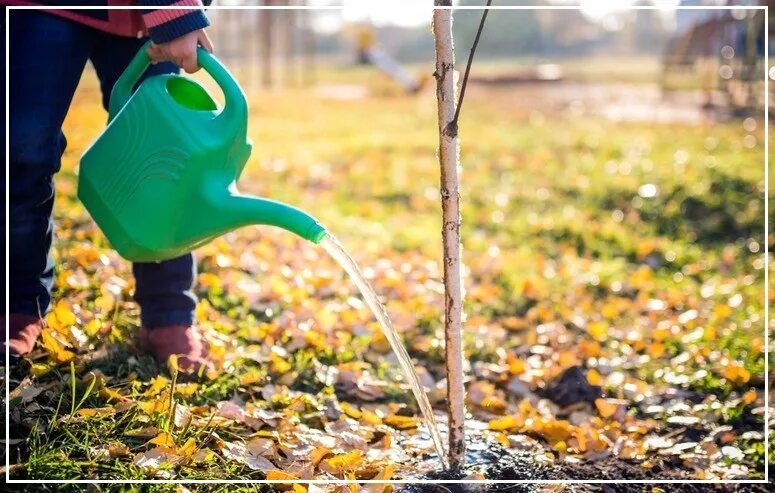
450, 206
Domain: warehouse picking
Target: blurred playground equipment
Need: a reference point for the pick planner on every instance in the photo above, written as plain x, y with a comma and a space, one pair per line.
278, 47
709, 59
722, 51
368, 52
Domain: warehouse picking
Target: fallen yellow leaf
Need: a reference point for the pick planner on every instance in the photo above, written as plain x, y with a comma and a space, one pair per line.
96, 413
660, 334
342, 463
319, 454
188, 448
370, 419
40, 369
505, 423
749, 397
503, 439
157, 384
594, 377
610, 311
159, 404
61, 317
277, 474
401, 422
555, 431
55, 349
384, 475
93, 327
736, 374
606, 407
656, 350
163, 439
722, 310
598, 330
279, 365
351, 410
516, 365
387, 472
186, 389
589, 349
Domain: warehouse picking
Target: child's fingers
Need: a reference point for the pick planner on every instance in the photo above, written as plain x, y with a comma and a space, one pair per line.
189, 63
204, 40
155, 53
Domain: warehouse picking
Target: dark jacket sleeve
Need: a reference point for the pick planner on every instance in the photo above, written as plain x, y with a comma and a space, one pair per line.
164, 25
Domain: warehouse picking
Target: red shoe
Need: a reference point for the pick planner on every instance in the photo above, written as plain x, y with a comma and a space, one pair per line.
23, 331
185, 341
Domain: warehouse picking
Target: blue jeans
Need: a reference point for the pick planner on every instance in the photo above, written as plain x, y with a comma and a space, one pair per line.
47, 57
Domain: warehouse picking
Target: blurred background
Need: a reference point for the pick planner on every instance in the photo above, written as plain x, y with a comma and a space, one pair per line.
698, 59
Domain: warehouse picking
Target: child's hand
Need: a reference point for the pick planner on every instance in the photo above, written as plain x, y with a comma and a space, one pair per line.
181, 51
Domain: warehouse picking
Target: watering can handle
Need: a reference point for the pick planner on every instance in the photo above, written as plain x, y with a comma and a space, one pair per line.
235, 105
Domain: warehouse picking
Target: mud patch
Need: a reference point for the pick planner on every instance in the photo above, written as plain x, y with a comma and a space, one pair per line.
490, 461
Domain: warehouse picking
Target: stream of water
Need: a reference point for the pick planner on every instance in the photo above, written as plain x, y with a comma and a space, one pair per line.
337, 251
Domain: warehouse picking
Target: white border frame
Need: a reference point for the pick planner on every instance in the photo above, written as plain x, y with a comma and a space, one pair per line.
8, 479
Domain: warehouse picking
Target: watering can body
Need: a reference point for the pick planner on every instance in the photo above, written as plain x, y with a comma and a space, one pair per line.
161, 178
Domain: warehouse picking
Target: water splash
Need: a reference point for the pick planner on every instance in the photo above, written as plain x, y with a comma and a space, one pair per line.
338, 253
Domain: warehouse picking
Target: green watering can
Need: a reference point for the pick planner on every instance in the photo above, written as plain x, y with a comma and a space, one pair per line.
161, 178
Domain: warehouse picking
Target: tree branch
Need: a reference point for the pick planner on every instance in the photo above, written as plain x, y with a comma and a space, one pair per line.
452, 127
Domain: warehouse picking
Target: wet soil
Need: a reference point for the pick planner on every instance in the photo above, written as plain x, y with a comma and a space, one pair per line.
497, 463
572, 387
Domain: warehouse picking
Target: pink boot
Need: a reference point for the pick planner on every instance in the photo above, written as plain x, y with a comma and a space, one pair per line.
23, 331
186, 341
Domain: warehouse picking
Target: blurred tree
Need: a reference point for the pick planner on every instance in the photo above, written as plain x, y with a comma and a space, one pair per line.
508, 32
265, 28
567, 32
648, 29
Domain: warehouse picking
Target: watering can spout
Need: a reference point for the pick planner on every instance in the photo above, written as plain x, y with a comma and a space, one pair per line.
246, 209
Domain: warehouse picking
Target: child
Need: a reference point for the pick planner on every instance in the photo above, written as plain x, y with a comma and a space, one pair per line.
47, 53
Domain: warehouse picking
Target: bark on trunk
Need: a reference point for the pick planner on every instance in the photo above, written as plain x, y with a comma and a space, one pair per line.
450, 206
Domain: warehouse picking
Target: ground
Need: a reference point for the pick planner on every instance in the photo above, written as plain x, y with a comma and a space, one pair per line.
614, 284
